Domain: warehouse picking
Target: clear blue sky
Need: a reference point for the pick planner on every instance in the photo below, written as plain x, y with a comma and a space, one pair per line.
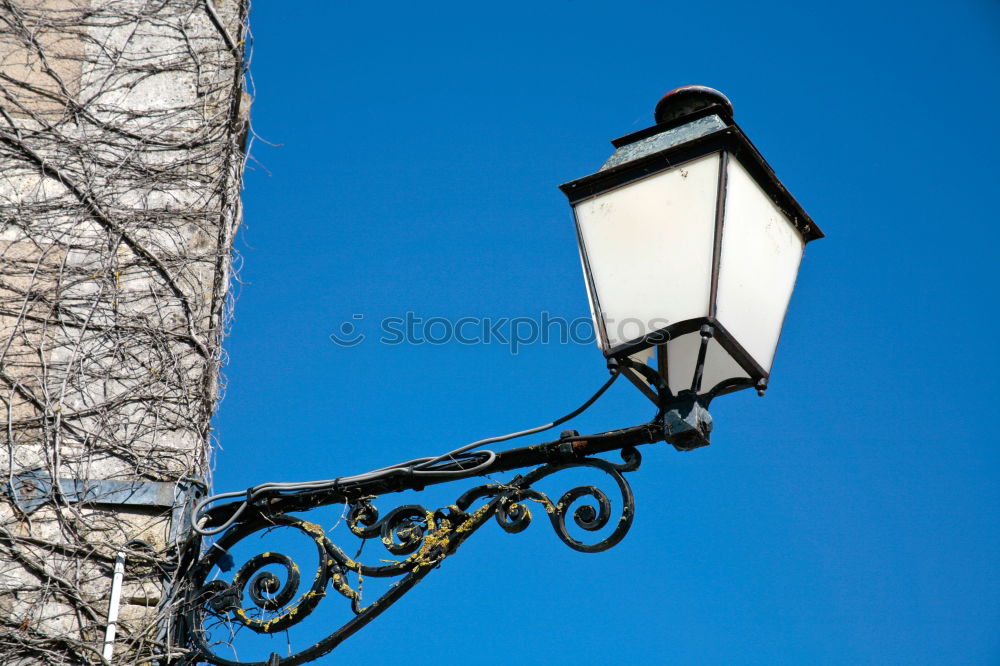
852, 516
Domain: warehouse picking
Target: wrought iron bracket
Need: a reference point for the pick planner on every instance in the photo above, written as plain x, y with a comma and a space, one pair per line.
258, 599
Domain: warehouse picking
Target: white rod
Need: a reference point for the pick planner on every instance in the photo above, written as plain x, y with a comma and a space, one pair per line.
116, 597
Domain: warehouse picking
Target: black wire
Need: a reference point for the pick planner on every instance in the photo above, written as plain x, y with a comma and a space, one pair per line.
424, 466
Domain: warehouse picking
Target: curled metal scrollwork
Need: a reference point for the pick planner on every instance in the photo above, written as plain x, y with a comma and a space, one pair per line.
265, 602
401, 532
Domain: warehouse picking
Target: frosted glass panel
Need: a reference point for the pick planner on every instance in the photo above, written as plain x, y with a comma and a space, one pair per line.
649, 246
761, 251
682, 354
645, 356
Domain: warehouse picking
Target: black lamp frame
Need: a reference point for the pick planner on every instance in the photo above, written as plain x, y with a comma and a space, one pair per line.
731, 143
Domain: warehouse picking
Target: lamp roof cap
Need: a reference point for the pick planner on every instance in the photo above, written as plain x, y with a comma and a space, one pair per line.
686, 100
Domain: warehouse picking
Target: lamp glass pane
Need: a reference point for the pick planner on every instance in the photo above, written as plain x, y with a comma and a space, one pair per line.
649, 248
682, 355
761, 251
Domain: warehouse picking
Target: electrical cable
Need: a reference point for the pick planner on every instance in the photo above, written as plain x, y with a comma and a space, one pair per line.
418, 467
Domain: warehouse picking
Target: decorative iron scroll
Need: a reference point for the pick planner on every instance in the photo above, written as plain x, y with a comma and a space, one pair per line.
216, 609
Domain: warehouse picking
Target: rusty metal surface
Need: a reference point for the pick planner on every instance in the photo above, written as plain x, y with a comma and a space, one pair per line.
664, 140
686, 100
31, 490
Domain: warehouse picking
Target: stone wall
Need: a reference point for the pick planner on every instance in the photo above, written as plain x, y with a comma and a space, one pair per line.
122, 124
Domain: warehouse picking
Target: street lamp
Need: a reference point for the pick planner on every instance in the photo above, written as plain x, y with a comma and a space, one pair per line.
690, 247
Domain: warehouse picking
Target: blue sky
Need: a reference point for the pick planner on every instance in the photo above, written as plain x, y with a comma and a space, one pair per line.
408, 161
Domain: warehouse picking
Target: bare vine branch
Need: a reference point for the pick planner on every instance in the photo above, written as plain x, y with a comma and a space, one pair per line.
123, 126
